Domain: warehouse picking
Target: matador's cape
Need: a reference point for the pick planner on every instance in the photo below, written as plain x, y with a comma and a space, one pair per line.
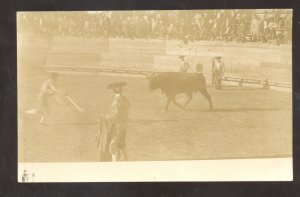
103, 138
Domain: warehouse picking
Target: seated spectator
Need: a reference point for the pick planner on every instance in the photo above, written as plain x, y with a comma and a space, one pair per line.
226, 25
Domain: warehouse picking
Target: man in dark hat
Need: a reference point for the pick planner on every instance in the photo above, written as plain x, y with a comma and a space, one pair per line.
117, 120
218, 70
183, 64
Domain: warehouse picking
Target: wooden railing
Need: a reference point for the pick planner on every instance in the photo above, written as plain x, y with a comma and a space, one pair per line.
264, 82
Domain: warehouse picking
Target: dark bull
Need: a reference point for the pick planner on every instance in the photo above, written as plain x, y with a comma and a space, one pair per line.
173, 83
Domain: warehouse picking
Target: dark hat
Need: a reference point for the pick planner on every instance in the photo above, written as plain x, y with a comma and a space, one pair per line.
181, 57
116, 84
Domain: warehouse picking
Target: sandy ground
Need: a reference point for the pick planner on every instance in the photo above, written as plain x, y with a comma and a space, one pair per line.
245, 123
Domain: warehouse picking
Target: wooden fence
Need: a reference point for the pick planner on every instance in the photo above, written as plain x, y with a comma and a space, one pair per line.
264, 82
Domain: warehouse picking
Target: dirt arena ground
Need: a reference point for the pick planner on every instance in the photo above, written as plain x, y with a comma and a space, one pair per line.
245, 122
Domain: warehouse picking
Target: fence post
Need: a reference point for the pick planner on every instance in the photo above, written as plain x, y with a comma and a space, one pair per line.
266, 85
241, 82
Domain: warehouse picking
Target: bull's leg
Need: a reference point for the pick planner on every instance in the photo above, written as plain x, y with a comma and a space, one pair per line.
169, 99
175, 102
207, 96
190, 97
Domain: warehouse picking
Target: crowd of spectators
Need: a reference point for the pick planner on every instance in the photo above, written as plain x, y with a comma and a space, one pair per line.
227, 25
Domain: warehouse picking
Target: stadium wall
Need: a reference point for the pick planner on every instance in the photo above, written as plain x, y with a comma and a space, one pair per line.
255, 60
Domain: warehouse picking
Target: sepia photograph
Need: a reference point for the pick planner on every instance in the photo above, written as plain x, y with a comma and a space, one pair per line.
155, 95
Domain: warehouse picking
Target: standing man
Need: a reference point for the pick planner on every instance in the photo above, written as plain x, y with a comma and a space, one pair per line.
218, 70
183, 64
118, 116
47, 90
